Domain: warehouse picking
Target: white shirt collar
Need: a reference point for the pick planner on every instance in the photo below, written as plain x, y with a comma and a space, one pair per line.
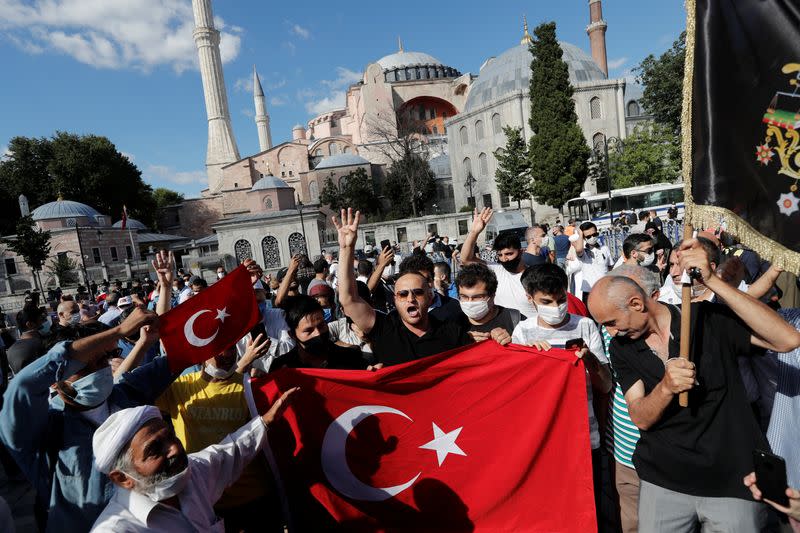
138, 504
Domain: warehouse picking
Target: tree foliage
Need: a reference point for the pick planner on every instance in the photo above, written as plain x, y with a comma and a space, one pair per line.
662, 79
409, 186
31, 243
557, 152
83, 168
164, 197
64, 268
513, 172
651, 154
353, 190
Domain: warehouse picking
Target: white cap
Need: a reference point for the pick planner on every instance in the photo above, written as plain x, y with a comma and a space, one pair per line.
125, 301
117, 431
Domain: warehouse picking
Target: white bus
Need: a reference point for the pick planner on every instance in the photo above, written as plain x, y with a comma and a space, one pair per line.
594, 207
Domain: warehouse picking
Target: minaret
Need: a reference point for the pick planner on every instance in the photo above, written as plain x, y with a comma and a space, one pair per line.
262, 118
222, 148
597, 35
526, 37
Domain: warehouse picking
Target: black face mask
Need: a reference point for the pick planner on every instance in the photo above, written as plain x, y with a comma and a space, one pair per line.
512, 264
319, 344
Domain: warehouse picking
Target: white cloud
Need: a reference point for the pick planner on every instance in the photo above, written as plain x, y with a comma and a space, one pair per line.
248, 112
163, 173
296, 29
617, 63
116, 34
277, 101
130, 157
337, 92
5, 153
244, 84
275, 82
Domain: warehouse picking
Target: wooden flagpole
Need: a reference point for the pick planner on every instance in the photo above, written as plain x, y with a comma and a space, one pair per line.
686, 317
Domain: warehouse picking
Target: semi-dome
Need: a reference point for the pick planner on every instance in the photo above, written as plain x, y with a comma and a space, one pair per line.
341, 160
63, 209
511, 72
132, 223
407, 59
269, 182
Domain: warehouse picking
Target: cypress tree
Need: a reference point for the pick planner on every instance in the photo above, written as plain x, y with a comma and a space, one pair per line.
513, 175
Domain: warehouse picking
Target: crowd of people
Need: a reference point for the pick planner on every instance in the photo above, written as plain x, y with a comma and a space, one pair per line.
109, 438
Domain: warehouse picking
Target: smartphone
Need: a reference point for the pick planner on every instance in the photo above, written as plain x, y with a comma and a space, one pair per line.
771, 476
385, 244
574, 344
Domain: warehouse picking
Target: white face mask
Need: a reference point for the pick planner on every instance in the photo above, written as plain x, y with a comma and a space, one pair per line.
166, 488
552, 315
220, 275
475, 310
648, 259
218, 373
591, 241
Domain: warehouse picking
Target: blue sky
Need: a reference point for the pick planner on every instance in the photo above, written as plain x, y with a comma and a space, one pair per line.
126, 69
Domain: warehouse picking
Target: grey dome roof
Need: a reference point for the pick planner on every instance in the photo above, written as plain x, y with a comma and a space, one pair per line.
440, 165
406, 59
511, 72
341, 160
63, 209
132, 224
269, 182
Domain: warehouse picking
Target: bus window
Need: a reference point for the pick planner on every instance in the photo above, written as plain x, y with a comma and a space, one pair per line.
598, 208
578, 211
658, 198
675, 196
618, 203
638, 201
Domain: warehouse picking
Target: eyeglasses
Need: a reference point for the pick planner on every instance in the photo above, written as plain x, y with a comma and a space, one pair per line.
416, 292
645, 251
475, 298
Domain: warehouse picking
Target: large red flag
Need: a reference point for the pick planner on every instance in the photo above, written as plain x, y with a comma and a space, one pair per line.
487, 438
208, 323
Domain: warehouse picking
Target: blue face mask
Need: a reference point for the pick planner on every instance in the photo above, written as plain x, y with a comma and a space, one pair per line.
328, 314
94, 389
44, 329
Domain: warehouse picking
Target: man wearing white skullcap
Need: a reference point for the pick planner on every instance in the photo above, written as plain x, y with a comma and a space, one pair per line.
159, 486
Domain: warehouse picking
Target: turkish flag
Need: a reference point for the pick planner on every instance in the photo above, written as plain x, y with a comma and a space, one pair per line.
209, 322
484, 438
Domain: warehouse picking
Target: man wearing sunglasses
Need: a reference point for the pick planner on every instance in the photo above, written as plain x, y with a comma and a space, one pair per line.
407, 333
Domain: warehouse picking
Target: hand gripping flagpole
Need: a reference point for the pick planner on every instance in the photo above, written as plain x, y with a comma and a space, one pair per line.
686, 314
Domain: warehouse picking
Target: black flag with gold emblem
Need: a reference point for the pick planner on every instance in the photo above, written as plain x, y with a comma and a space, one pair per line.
741, 122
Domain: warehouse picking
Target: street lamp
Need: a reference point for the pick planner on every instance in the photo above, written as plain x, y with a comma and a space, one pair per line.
600, 151
469, 183
302, 224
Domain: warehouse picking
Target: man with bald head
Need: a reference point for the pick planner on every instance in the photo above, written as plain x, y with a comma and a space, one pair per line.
690, 460
69, 313
407, 333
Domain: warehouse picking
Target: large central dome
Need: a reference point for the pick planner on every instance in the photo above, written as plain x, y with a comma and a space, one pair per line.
407, 59
511, 72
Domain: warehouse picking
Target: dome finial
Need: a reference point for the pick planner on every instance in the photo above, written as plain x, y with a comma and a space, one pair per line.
526, 37
60, 197
399, 44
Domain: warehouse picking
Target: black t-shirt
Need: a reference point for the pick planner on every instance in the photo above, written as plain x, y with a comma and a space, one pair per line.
533, 260
393, 343
506, 319
449, 309
705, 449
24, 352
339, 358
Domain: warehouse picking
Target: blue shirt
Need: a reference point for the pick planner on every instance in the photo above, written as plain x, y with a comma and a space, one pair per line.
562, 246
53, 447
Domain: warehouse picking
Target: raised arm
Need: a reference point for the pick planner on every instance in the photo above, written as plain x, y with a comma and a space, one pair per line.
578, 243
286, 282
164, 265
768, 329
386, 257
762, 285
647, 409
478, 225
359, 311
148, 336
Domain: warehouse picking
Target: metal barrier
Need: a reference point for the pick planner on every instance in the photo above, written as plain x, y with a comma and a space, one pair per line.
614, 237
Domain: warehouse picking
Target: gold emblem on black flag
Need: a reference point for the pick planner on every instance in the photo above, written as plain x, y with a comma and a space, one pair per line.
783, 122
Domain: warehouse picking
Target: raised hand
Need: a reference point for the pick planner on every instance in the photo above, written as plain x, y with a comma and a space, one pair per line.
136, 320
255, 349
348, 228
164, 265
386, 256
254, 269
148, 335
692, 255
481, 218
279, 407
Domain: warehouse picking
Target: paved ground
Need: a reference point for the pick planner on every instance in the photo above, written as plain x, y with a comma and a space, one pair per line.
20, 497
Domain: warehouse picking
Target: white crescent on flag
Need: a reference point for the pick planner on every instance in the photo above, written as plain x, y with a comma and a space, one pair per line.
188, 328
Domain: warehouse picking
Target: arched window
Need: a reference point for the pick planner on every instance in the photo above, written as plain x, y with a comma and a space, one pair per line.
242, 250
271, 251
633, 109
464, 135
598, 140
479, 130
268, 202
497, 127
334, 148
318, 152
347, 149
483, 163
467, 166
297, 244
594, 108
313, 190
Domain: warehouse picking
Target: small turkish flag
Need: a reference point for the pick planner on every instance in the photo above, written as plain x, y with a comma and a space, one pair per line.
485, 438
124, 217
209, 322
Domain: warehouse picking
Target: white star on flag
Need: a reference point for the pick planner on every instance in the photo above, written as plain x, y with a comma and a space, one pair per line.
787, 204
444, 443
221, 314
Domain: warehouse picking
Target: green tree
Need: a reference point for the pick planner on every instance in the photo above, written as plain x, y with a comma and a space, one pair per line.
83, 168
662, 79
354, 190
410, 186
63, 268
164, 197
32, 243
651, 154
513, 173
557, 151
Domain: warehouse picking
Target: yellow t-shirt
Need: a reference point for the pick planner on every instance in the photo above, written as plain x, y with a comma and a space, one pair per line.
202, 414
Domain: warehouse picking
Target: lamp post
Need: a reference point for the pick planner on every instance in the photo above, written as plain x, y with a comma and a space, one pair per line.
469, 183
302, 224
83, 263
600, 151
